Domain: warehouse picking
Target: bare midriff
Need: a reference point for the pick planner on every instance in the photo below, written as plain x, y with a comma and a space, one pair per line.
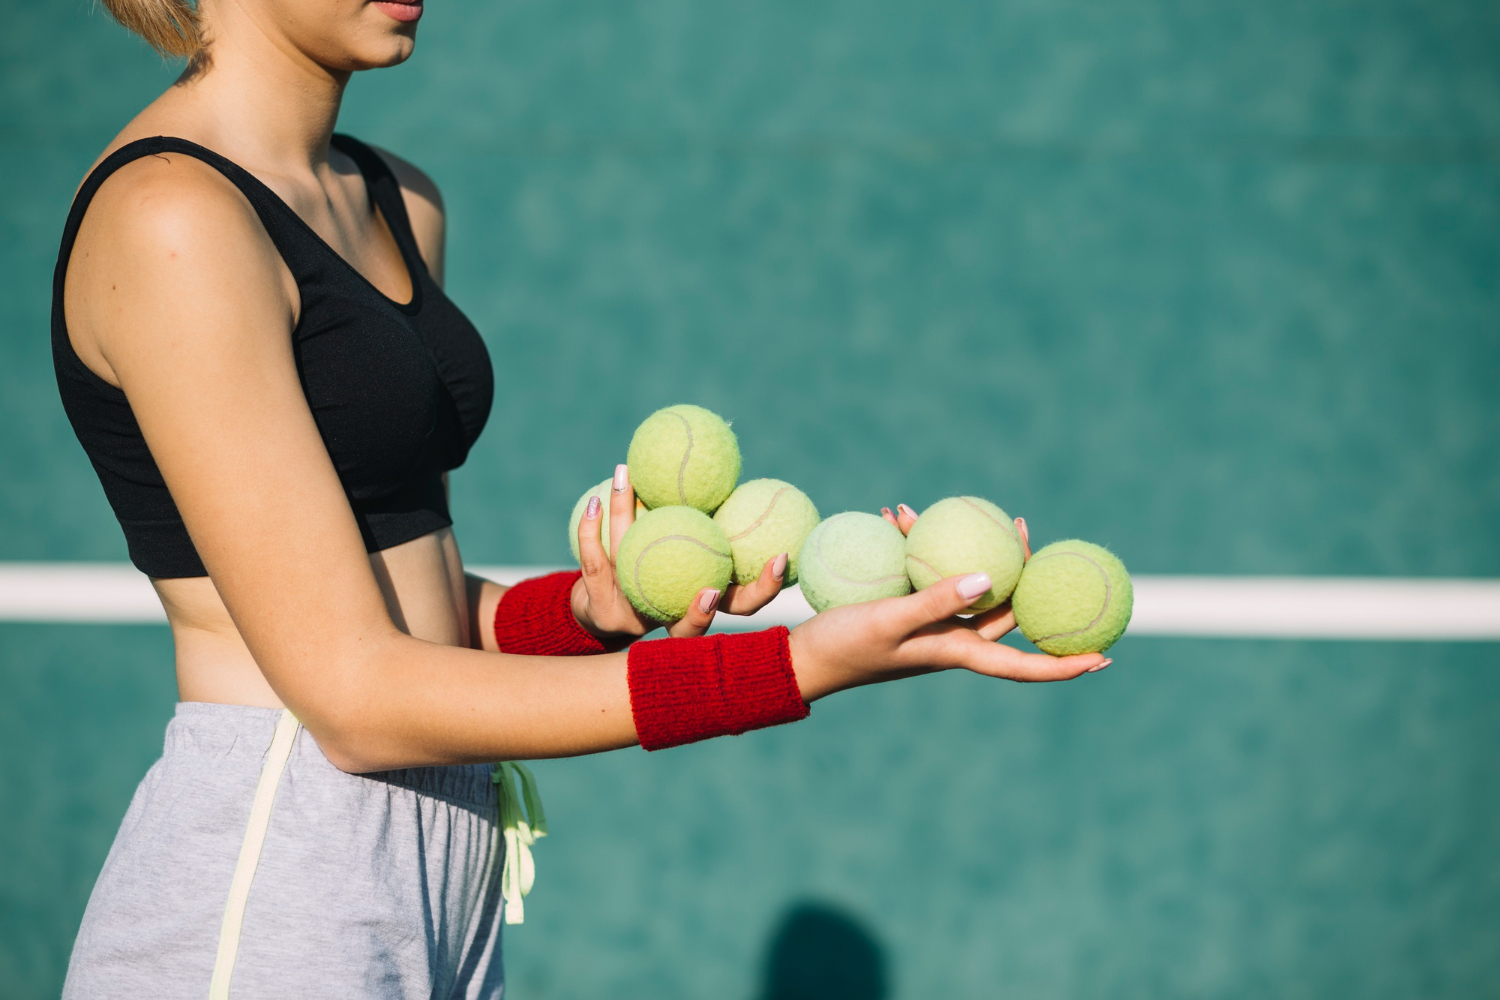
423, 584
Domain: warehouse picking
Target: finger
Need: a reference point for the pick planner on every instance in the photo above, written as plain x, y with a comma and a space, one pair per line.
885, 512
699, 617
905, 518
591, 554
998, 660
621, 508
938, 602
994, 623
750, 598
1025, 538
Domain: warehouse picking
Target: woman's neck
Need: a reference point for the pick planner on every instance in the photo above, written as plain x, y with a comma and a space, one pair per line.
266, 105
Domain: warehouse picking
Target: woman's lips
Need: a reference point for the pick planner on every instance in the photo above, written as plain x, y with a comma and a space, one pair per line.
401, 11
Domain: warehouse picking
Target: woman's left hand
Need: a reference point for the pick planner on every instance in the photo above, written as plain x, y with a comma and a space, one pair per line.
995, 622
601, 606
920, 633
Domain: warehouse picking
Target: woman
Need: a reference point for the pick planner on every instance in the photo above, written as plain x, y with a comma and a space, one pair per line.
254, 347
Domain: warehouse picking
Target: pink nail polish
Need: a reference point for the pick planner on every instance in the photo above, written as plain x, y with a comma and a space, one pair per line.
1100, 666
708, 601
592, 511
913, 515
622, 478
887, 512
973, 585
778, 568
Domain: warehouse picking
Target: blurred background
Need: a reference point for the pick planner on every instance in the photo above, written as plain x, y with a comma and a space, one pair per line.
1217, 285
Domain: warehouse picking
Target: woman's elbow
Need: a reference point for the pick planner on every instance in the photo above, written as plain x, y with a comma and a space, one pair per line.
358, 748
352, 728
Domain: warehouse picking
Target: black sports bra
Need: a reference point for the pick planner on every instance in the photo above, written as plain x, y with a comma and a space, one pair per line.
399, 391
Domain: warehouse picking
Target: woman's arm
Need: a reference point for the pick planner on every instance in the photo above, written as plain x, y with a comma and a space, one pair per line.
190, 306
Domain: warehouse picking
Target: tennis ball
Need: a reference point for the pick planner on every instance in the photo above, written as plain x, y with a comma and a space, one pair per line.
764, 518
603, 492
853, 557
1074, 597
684, 455
965, 535
667, 556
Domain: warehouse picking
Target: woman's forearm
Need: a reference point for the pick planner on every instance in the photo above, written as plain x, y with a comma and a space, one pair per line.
410, 703
385, 700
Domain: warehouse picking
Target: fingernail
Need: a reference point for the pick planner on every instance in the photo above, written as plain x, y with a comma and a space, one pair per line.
1021, 523
887, 512
913, 515
622, 478
592, 511
1100, 667
778, 568
708, 601
973, 585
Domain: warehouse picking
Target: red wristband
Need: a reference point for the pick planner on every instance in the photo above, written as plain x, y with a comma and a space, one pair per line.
535, 617
684, 690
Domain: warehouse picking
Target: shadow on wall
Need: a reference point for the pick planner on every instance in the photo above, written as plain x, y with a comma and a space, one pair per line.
820, 953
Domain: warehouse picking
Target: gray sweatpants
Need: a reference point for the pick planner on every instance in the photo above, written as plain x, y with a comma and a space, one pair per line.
368, 886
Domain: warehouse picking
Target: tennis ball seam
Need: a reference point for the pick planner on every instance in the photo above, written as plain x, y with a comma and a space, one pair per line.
1103, 609
686, 454
1011, 527
930, 568
763, 515
640, 588
835, 573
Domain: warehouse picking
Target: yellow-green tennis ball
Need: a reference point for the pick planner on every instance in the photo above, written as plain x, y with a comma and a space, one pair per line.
764, 518
1074, 597
684, 455
603, 491
962, 535
667, 556
853, 557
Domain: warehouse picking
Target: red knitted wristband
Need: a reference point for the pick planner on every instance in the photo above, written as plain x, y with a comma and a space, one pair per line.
535, 617
684, 690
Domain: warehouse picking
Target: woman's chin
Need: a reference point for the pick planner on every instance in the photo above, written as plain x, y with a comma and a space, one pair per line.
391, 51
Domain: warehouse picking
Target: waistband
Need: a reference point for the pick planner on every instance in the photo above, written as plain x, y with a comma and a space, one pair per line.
239, 736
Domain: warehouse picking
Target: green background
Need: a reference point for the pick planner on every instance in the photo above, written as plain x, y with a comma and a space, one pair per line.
1215, 284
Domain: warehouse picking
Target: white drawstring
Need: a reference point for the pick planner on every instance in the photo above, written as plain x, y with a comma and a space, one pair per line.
521, 829
255, 837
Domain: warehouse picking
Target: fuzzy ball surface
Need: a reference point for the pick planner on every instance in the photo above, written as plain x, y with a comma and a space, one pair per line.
853, 557
966, 535
603, 491
667, 556
1074, 597
764, 518
684, 455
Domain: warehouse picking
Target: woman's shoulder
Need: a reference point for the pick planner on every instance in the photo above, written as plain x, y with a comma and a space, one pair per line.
168, 196
163, 233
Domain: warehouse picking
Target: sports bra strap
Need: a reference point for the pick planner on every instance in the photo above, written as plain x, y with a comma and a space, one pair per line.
384, 190
298, 245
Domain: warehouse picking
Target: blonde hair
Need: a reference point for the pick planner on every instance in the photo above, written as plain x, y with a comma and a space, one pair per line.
171, 26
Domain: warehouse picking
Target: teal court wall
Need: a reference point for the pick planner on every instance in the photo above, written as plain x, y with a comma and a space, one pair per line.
1213, 284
